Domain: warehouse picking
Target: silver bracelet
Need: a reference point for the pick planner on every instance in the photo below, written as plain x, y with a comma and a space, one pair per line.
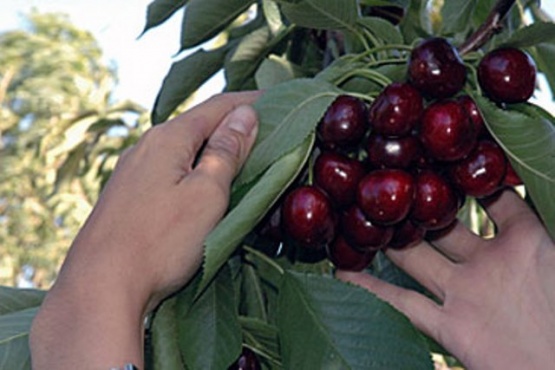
125, 367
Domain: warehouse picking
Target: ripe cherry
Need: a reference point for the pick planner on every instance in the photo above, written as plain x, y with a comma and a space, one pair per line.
511, 177
507, 75
475, 116
385, 196
436, 202
247, 361
406, 235
396, 110
338, 176
446, 131
436, 68
345, 257
361, 233
307, 217
344, 123
393, 152
481, 173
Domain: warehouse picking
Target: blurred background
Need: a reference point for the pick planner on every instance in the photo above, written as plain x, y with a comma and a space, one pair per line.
77, 81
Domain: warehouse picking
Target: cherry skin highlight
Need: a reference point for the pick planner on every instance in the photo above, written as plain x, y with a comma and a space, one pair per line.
344, 123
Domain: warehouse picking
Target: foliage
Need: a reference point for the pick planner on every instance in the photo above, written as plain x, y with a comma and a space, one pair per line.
294, 315
305, 53
56, 111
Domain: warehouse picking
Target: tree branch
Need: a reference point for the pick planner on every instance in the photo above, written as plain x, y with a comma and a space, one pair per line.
491, 26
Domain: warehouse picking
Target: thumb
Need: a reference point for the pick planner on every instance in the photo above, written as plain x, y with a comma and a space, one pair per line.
228, 147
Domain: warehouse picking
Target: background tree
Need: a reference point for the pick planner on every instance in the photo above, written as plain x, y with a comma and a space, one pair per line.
60, 130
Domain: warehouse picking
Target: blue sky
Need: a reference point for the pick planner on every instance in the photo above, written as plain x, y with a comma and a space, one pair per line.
142, 63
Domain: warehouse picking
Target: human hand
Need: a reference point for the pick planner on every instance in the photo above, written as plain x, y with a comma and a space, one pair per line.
144, 238
497, 307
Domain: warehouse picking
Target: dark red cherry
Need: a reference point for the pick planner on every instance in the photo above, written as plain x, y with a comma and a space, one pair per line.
344, 123
361, 233
385, 196
507, 75
307, 217
345, 257
436, 68
475, 116
406, 235
396, 111
446, 131
393, 152
481, 173
436, 202
247, 361
511, 177
338, 176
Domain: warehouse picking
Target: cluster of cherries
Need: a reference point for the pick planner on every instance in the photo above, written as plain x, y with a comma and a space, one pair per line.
396, 172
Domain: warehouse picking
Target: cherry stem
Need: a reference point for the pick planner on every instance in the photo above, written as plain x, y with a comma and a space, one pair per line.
264, 258
490, 27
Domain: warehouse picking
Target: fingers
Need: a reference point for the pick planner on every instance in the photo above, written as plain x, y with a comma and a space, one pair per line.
426, 265
228, 147
506, 208
421, 311
459, 244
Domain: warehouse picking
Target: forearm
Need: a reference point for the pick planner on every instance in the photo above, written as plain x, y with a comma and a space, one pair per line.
82, 330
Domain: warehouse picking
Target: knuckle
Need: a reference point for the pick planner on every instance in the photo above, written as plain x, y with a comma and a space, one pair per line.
227, 147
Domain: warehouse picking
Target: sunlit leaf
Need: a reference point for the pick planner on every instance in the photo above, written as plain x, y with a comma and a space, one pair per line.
159, 11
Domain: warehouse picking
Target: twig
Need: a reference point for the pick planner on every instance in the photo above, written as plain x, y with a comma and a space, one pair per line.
491, 26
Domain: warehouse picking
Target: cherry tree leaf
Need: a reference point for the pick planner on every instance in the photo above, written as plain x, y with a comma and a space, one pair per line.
159, 11
322, 14
204, 19
327, 324
527, 135
288, 114
536, 33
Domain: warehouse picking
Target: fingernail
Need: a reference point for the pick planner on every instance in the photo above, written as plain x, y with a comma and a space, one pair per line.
242, 120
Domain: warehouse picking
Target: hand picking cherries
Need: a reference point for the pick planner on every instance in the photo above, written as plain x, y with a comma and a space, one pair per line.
398, 171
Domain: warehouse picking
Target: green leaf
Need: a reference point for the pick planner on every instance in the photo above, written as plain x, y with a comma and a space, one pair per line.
69, 169
165, 338
159, 11
327, 324
209, 331
322, 14
273, 71
382, 29
223, 240
536, 33
13, 299
244, 59
252, 297
288, 114
204, 19
527, 135
262, 336
272, 15
184, 78
14, 339
545, 54
456, 15
416, 22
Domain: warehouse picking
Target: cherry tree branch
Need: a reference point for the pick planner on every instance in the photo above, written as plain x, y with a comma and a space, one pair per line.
491, 26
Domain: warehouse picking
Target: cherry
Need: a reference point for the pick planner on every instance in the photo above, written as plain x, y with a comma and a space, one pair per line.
389, 152
396, 110
481, 173
406, 235
385, 196
446, 131
475, 116
436, 68
436, 203
344, 123
345, 257
511, 177
361, 233
307, 217
507, 75
338, 176
247, 361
